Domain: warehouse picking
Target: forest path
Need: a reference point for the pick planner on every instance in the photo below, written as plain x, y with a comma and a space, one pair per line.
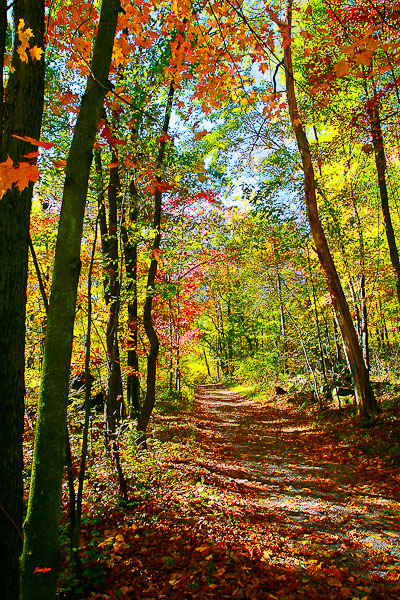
312, 506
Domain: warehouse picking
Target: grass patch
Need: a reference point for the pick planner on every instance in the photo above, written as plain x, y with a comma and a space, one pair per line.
249, 390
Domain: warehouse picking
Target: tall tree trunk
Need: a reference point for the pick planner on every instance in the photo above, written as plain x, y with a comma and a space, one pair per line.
20, 114
40, 559
338, 351
364, 333
111, 285
207, 365
320, 345
114, 384
75, 523
151, 333
171, 345
178, 342
282, 343
365, 396
380, 161
130, 242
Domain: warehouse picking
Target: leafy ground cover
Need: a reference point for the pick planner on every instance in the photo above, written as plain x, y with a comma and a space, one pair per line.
248, 500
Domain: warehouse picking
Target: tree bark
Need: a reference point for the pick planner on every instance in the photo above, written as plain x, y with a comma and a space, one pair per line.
130, 243
21, 107
380, 161
364, 394
151, 333
40, 559
114, 384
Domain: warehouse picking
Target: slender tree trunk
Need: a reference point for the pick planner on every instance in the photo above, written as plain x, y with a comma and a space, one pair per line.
380, 161
76, 524
319, 337
40, 559
338, 351
171, 346
130, 243
283, 344
364, 322
21, 109
364, 333
151, 333
365, 396
71, 490
207, 365
111, 285
114, 395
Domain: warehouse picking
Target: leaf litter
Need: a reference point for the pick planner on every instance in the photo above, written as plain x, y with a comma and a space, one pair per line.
260, 503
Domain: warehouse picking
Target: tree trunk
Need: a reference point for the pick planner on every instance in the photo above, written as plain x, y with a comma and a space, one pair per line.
282, 341
380, 161
151, 333
130, 243
20, 114
40, 559
112, 287
365, 396
319, 337
114, 384
75, 524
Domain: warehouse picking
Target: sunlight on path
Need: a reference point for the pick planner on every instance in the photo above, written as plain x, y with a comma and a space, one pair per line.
322, 508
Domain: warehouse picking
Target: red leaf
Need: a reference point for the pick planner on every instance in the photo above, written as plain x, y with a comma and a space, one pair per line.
26, 138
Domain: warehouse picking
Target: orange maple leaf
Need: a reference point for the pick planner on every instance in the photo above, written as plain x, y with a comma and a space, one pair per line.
20, 175
36, 53
26, 173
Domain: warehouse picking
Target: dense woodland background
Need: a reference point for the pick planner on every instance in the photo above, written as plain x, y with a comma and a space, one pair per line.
224, 209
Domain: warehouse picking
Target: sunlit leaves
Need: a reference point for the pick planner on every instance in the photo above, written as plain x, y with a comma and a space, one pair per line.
24, 35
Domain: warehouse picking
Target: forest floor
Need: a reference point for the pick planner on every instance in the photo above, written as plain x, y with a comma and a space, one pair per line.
251, 501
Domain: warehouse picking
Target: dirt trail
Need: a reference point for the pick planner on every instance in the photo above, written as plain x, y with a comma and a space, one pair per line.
313, 507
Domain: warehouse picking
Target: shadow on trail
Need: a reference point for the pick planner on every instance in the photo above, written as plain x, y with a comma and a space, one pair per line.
263, 507
307, 508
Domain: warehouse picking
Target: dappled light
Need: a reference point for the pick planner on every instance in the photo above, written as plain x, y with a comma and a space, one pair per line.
252, 506
199, 300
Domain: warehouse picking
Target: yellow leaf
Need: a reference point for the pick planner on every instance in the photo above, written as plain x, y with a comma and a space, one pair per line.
120, 537
36, 53
22, 54
7, 60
